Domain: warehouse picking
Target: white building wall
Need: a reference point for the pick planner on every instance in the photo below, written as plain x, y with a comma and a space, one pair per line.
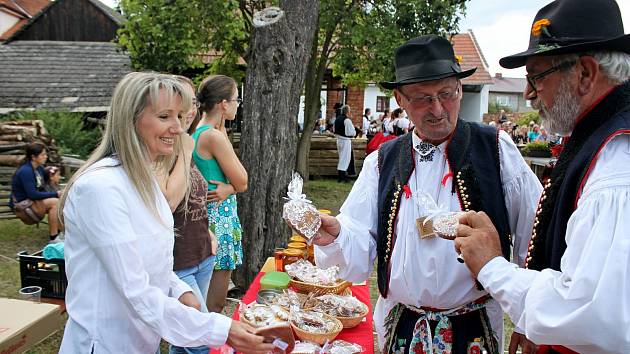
322, 99
474, 105
369, 101
7, 21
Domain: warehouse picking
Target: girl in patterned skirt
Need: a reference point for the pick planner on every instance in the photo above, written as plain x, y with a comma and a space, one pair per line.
226, 176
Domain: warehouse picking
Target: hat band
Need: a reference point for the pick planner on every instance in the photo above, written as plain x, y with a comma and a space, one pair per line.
427, 69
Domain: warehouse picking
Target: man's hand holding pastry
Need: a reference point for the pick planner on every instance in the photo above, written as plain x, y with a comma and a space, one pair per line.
328, 232
477, 240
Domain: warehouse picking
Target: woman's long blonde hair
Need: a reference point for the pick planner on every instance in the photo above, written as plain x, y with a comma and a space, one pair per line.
132, 94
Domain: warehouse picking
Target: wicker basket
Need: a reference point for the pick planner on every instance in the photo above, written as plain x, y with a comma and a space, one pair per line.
303, 287
319, 338
351, 322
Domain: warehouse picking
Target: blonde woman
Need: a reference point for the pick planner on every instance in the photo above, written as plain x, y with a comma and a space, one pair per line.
215, 158
122, 294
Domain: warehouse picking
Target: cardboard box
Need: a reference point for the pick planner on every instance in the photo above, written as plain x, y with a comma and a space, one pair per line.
24, 324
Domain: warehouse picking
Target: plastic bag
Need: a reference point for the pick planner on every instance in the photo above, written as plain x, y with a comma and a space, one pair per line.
299, 212
437, 219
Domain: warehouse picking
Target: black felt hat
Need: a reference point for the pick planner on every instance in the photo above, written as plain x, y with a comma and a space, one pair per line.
573, 26
425, 58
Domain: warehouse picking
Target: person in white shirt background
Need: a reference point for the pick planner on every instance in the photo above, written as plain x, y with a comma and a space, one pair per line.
344, 132
575, 294
429, 302
365, 126
122, 294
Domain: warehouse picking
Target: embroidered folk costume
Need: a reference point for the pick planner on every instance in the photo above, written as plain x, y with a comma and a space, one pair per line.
574, 296
429, 302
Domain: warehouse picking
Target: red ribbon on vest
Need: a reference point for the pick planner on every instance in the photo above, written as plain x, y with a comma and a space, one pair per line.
407, 191
446, 177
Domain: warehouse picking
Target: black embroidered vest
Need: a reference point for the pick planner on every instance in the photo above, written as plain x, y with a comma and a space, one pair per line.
473, 157
559, 199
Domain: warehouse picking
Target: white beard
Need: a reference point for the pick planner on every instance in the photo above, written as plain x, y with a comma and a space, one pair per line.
560, 118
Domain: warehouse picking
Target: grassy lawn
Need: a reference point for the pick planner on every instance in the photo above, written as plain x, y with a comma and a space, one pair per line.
16, 237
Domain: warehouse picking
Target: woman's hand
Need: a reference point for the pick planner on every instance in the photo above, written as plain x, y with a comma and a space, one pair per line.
214, 244
221, 193
189, 299
242, 338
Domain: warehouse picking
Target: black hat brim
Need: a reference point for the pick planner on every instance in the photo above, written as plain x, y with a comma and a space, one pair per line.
618, 44
390, 85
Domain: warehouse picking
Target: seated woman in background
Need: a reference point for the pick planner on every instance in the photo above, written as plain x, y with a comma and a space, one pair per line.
53, 176
28, 183
122, 294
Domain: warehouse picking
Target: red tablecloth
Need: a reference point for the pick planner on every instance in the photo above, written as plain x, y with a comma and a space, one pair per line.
361, 334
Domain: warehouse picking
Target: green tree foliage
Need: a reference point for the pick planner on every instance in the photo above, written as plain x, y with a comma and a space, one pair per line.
177, 35
368, 37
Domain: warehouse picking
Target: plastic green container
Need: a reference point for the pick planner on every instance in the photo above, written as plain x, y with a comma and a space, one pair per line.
275, 280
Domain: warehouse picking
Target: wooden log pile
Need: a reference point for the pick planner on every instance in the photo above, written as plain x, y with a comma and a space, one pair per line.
323, 157
16, 135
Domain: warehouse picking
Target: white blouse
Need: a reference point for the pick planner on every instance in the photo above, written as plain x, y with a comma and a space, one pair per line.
586, 306
122, 294
425, 272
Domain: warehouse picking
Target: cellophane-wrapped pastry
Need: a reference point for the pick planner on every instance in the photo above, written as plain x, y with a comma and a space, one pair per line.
306, 348
339, 305
342, 347
262, 315
312, 322
445, 225
290, 298
438, 218
299, 212
336, 347
305, 271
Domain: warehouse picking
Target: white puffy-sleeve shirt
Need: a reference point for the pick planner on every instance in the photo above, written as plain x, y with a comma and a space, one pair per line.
122, 294
425, 272
585, 306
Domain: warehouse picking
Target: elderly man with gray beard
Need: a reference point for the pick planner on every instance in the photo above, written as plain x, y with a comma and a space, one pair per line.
575, 294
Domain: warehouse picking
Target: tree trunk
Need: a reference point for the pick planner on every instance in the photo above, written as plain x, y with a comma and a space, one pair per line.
317, 66
280, 47
311, 102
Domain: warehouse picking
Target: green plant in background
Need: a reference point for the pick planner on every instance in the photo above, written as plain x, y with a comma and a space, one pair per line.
496, 107
66, 128
536, 149
529, 117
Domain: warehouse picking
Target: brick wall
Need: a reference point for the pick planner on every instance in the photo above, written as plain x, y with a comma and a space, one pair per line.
355, 99
333, 97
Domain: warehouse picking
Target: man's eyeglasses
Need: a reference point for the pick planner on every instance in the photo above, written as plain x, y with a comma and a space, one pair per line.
427, 101
531, 80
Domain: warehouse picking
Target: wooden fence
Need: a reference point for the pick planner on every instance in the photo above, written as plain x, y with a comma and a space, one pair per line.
323, 157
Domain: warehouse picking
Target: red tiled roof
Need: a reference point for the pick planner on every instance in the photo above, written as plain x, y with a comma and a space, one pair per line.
27, 7
466, 46
24, 9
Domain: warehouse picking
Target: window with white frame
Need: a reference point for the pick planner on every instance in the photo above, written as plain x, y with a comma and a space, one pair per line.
503, 100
